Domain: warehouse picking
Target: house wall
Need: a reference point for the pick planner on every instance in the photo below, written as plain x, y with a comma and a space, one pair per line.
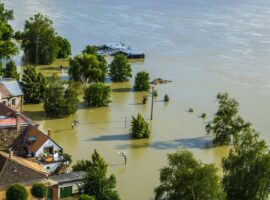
48, 143
15, 103
51, 167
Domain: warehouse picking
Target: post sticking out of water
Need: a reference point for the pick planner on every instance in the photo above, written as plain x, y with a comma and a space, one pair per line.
124, 155
125, 121
152, 104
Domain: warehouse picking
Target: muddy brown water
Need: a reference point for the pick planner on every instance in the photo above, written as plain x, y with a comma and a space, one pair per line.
202, 46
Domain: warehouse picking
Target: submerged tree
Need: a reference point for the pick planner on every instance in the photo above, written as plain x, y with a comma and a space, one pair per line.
227, 123
187, 179
10, 70
97, 95
139, 127
142, 81
96, 183
120, 69
88, 68
7, 46
33, 85
247, 168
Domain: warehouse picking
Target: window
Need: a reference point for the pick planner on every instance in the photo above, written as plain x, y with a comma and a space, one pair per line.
48, 150
14, 101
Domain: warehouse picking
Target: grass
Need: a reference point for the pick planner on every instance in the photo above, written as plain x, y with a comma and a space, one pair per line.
48, 70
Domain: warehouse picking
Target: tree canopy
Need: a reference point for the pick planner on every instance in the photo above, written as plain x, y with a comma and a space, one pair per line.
139, 127
16, 192
120, 69
10, 71
96, 183
227, 123
7, 47
186, 178
39, 190
58, 100
88, 68
33, 85
64, 47
247, 168
142, 81
97, 95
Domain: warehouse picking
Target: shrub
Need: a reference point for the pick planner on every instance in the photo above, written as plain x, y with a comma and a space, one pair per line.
142, 81
139, 127
97, 95
16, 192
144, 101
155, 93
203, 115
39, 190
190, 110
166, 98
86, 197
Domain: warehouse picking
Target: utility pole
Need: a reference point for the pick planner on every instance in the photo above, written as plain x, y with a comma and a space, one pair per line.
152, 104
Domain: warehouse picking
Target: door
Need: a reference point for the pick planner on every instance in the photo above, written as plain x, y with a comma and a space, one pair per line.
65, 192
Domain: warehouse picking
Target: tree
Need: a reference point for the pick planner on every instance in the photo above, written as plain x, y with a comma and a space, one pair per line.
96, 183
10, 70
90, 50
120, 69
58, 100
247, 168
39, 190
39, 40
16, 192
142, 81
88, 68
7, 46
86, 197
227, 123
64, 47
187, 179
139, 127
97, 95
33, 85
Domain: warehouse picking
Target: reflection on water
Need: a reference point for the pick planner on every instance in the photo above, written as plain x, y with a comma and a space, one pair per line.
202, 46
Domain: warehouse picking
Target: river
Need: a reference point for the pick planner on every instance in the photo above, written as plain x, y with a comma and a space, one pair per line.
204, 47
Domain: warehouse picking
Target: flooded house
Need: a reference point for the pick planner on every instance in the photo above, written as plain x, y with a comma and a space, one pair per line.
11, 94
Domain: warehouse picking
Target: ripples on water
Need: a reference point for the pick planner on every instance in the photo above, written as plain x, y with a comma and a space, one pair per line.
202, 46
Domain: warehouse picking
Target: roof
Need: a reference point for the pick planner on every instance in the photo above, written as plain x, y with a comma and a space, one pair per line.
18, 170
123, 48
40, 138
4, 92
69, 177
8, 117
11, 86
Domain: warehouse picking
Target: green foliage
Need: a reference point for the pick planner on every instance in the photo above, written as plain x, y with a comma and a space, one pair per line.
203, 115
16, 192
67, 157
227, 122
190, 110
96, 183
7, 46
97, 95
10, 70
139, 127
58, 100
18, 35
39, 190
155, 93
120, 69
166, 98
64, 47
247, 168
142, 81
39, 39
86, 197
33, 85
90, 50
187, 179
88, 68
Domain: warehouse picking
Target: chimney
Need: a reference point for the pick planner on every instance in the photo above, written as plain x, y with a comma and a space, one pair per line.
11, 153
49, 132
18, 121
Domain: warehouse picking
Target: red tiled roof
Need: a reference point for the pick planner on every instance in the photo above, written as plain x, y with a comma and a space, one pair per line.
41, 138
4, 92
11, 121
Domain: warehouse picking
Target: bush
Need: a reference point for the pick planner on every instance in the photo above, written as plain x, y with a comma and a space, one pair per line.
190, 110
166, 98
97, 95
86, 197
39, 190
120, 69
139, 127
16, 192
155, 93
203, 115
142, 81
144, 101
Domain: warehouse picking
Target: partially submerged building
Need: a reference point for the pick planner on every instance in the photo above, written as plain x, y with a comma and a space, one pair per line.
11, 94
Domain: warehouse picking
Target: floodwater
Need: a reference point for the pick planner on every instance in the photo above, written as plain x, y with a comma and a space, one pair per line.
204, 47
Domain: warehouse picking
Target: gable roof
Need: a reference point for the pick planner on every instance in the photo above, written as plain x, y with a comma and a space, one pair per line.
4, 92
11, 86
40, 138
17, 170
